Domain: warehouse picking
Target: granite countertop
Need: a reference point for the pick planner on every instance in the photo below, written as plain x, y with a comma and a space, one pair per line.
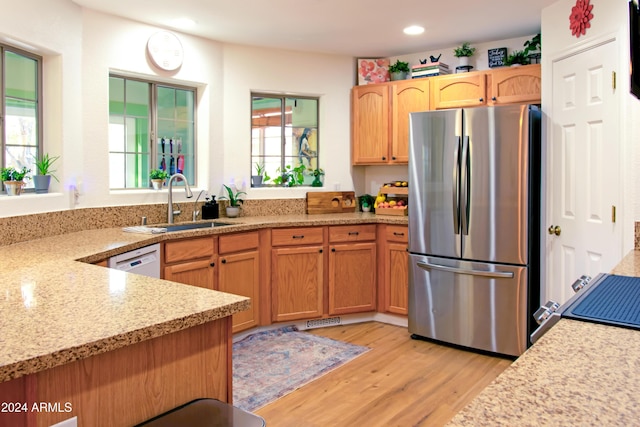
56, 309
577, 374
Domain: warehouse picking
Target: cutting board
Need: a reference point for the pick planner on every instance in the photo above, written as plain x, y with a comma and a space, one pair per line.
325, 202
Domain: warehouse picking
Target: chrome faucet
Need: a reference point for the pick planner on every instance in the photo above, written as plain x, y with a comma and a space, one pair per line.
187, 190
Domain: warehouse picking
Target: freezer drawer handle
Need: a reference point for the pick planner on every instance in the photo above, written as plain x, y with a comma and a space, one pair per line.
496, 274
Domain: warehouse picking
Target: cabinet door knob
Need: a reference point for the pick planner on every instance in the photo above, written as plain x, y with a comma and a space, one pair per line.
493, 98
224, 261
213, 264
384, 158
481, 99
320, 250
393, 157
333, 249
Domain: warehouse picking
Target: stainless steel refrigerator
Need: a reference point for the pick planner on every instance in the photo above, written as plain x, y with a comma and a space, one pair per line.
474, 219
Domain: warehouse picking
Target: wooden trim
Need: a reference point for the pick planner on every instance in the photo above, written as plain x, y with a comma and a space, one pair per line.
265, 277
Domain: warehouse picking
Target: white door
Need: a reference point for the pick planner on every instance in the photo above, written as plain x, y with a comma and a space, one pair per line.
583, 180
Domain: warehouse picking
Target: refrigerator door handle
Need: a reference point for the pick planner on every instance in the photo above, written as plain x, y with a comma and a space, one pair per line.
494, 274
465, 183
456, 186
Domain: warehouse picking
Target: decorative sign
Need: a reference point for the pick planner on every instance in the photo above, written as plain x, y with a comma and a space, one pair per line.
580, 17
497, 57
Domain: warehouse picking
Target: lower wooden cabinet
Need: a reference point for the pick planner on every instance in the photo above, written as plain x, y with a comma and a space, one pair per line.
297, 277
352, 278
191, 261
239, 273
395, 280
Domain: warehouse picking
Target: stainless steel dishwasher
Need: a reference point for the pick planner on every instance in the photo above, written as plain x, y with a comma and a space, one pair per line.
144, 261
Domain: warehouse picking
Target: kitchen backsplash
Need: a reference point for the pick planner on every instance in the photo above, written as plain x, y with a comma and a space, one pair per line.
28, 227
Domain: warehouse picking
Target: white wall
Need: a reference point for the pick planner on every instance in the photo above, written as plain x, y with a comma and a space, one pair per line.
610, 19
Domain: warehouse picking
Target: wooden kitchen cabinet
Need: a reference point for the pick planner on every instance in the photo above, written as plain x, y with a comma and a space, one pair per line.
297, 273
515, 85
191, 261
381, 120
352, 269
458, 90
239, 273
394, 284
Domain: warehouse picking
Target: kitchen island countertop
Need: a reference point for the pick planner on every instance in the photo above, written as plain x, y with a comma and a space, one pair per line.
55, 309
577, 374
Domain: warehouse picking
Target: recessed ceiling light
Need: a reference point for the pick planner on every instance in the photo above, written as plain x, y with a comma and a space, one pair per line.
414, 30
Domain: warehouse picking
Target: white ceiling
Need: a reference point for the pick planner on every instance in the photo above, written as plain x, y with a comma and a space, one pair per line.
360, 28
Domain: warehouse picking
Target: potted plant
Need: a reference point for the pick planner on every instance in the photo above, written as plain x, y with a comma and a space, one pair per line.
233, 209
532, 48
517, 57
399, 70
318, 177
42, 179
290, 176
158, 176
260, 177
463, 53
14, 179
366, 202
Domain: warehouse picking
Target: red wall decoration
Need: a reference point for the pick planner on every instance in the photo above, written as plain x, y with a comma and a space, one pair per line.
580, 17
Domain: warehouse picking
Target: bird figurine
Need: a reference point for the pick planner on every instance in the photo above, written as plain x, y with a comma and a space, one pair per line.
423, 61
434, 58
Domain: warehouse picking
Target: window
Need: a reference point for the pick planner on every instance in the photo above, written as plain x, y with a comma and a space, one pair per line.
21, 114
284, 135
151, 126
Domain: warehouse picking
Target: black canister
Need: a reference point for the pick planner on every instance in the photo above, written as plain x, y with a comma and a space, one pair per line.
210, 209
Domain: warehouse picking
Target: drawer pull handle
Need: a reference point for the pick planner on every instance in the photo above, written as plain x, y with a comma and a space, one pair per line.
299, 236
395, 233
354, 233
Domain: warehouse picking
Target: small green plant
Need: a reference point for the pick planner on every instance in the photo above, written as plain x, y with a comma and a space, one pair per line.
261, 171
464, 50
399, 67
12, 174
317, 174
233, 196
517, 57
44, 165
158, 174
366, 200
532, 45
290, 176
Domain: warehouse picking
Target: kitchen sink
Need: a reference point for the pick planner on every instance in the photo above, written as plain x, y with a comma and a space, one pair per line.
193, 225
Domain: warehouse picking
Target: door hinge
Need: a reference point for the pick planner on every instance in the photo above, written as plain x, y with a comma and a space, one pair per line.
613, 213
613, 80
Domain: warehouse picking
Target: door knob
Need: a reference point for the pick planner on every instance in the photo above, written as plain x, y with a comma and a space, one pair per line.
555, 230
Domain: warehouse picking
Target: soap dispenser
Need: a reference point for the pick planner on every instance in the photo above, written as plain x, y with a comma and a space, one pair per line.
210, 209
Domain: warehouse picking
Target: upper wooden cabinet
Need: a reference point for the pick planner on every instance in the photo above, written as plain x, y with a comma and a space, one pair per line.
514, 85
380, 128
458, 90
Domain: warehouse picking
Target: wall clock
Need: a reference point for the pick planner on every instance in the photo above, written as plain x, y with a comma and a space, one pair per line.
165, 50
580, 17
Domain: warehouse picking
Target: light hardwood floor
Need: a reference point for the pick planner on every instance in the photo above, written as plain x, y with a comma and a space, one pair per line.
399, 382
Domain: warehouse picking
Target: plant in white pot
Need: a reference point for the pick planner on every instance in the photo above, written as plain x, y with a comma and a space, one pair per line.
463, 53
42, 180
158, 177
399, 70
14, 179
233, 209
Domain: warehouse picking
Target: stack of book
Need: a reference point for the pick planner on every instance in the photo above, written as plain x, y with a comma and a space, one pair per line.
429, 70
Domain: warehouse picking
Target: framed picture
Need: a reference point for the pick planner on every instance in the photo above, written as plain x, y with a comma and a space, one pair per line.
372, 70
497, 57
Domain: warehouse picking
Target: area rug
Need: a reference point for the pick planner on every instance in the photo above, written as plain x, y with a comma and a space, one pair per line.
268, 365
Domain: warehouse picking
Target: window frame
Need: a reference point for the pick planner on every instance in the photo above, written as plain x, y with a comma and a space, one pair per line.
283, 125
39, 108
153, 122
